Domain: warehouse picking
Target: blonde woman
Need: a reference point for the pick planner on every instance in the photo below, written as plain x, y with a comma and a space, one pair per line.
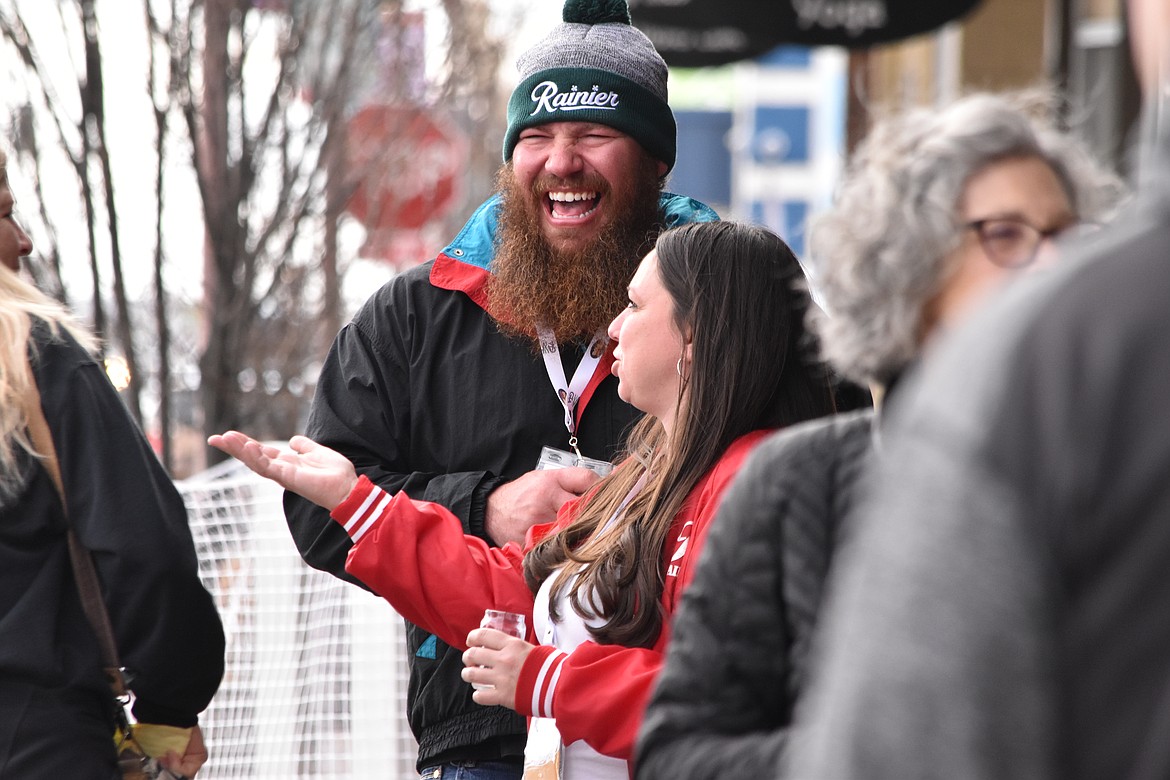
56, 710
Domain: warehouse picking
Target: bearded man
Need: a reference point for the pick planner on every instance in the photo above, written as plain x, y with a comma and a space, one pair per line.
454, 376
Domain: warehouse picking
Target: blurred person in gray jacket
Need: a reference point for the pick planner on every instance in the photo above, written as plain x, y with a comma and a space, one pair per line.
1004, 609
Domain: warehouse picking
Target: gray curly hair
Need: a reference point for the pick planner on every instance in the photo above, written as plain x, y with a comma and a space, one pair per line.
880, 255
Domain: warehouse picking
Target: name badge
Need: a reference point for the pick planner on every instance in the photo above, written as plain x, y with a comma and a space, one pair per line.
552, 458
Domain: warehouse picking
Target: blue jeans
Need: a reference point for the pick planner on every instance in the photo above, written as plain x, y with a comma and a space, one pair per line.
473, 770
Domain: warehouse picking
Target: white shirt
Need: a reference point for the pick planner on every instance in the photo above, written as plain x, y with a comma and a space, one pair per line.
579, 761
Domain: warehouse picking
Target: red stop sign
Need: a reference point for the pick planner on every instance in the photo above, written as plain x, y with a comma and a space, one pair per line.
406, 166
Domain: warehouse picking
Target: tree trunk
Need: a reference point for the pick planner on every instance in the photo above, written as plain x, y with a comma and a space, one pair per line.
94, 127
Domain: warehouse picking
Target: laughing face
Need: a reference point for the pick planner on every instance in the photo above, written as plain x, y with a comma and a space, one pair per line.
572, 170
579, 208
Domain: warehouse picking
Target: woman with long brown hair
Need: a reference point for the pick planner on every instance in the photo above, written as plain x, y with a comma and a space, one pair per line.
712, 348
940, 208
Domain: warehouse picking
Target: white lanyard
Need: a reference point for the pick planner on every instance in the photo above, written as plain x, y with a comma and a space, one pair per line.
569, 393
635, 490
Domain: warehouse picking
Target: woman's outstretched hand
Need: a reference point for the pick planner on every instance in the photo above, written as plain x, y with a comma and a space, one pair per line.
309, 469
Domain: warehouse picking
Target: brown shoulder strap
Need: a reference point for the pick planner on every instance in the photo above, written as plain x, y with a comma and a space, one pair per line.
83, 569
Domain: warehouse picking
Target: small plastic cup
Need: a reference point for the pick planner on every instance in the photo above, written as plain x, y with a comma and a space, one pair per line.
511, 623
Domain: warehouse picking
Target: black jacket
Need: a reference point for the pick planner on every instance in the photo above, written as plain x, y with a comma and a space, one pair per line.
737, 658
124, 509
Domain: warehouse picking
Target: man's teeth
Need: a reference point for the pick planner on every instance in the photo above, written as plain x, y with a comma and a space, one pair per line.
570, 197
561, 204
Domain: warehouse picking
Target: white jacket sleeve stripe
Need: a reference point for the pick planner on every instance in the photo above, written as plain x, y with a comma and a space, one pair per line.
367, 515
374, 516
546, 681
361, 510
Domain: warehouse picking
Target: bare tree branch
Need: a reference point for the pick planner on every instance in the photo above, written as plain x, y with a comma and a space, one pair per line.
161, 322
258, 100
92, 91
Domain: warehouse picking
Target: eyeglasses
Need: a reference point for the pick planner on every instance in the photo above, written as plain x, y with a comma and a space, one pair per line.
1013, 243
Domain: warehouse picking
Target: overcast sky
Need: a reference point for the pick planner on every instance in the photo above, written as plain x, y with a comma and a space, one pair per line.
132, 130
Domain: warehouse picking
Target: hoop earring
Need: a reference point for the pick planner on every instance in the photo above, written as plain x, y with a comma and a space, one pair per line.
678, 366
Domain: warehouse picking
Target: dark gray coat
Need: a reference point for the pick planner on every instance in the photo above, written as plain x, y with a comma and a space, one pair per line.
736, 662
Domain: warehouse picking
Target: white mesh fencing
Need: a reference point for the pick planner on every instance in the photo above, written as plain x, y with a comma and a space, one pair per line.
316, 675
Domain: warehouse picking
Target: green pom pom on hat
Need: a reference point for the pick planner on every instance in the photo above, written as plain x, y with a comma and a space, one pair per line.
595, 67
596, 12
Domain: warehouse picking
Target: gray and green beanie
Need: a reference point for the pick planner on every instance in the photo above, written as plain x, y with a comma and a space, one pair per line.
595, 67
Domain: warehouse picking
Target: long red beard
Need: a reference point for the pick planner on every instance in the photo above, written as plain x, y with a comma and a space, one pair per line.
573, 292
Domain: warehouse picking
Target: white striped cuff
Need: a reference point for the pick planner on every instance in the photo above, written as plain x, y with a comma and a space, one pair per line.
368, 513
546, 684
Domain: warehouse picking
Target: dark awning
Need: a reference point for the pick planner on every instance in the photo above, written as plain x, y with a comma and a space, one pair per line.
693, 33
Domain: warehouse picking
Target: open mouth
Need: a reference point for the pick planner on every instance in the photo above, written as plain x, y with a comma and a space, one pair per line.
564, 204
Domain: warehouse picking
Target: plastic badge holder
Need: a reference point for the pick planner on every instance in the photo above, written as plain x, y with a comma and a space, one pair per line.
552, 458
